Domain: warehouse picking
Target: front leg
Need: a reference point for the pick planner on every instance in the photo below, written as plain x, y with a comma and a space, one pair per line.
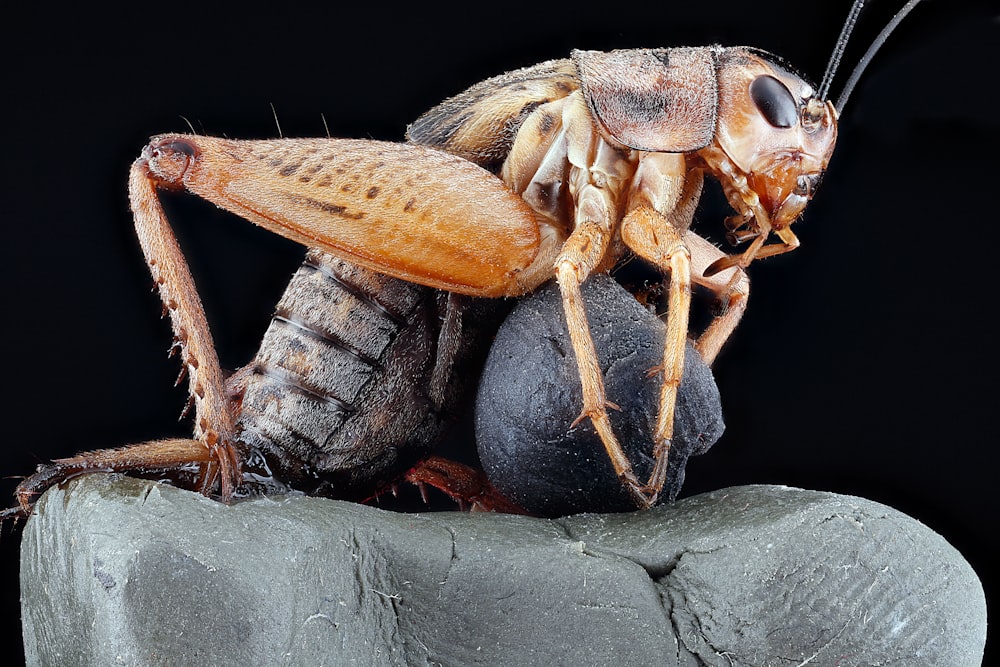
661, 204
731, 288
756, 250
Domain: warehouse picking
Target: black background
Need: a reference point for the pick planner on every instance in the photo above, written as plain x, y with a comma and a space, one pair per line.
863, 365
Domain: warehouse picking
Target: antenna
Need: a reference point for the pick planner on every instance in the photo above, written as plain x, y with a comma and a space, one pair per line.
838, 50
870, 53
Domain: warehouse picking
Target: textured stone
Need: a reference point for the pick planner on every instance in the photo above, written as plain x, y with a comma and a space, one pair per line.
121, 571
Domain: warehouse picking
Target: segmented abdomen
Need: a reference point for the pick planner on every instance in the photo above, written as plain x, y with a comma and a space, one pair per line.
353, 378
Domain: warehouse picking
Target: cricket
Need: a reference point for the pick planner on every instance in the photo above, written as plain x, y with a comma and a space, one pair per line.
556, 171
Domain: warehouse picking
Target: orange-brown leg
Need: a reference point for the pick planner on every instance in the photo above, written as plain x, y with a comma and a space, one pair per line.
581, 253
147, 457
214, 423
731, 288
757, 250
463, 484
647, 233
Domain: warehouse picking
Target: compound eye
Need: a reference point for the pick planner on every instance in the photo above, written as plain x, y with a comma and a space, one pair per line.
774, 101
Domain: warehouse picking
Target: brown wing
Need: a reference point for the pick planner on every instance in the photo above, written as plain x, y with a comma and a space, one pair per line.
479, 124
662, 100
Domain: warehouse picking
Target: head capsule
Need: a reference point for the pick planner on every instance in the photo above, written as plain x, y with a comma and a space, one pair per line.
774, 138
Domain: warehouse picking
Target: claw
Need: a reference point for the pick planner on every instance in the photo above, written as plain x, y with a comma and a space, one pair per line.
585, 413
643, 496
229, 468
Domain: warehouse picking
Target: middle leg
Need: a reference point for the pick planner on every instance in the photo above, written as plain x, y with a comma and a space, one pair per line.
647, 233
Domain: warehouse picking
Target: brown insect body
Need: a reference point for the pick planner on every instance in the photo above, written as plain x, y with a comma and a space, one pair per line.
606, 152
597, 156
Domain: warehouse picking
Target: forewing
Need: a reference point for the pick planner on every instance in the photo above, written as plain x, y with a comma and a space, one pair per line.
480, 124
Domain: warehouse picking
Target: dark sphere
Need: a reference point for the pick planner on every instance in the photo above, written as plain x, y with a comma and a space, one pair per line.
530, 394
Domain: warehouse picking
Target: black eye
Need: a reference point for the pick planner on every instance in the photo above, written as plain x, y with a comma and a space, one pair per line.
775, 101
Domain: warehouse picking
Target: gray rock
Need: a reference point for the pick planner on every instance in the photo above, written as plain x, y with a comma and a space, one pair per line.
121, 571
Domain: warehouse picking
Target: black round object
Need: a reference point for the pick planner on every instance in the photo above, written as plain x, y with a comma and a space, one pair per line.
529, 395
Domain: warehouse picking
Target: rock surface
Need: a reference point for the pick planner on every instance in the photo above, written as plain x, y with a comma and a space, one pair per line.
122, 571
